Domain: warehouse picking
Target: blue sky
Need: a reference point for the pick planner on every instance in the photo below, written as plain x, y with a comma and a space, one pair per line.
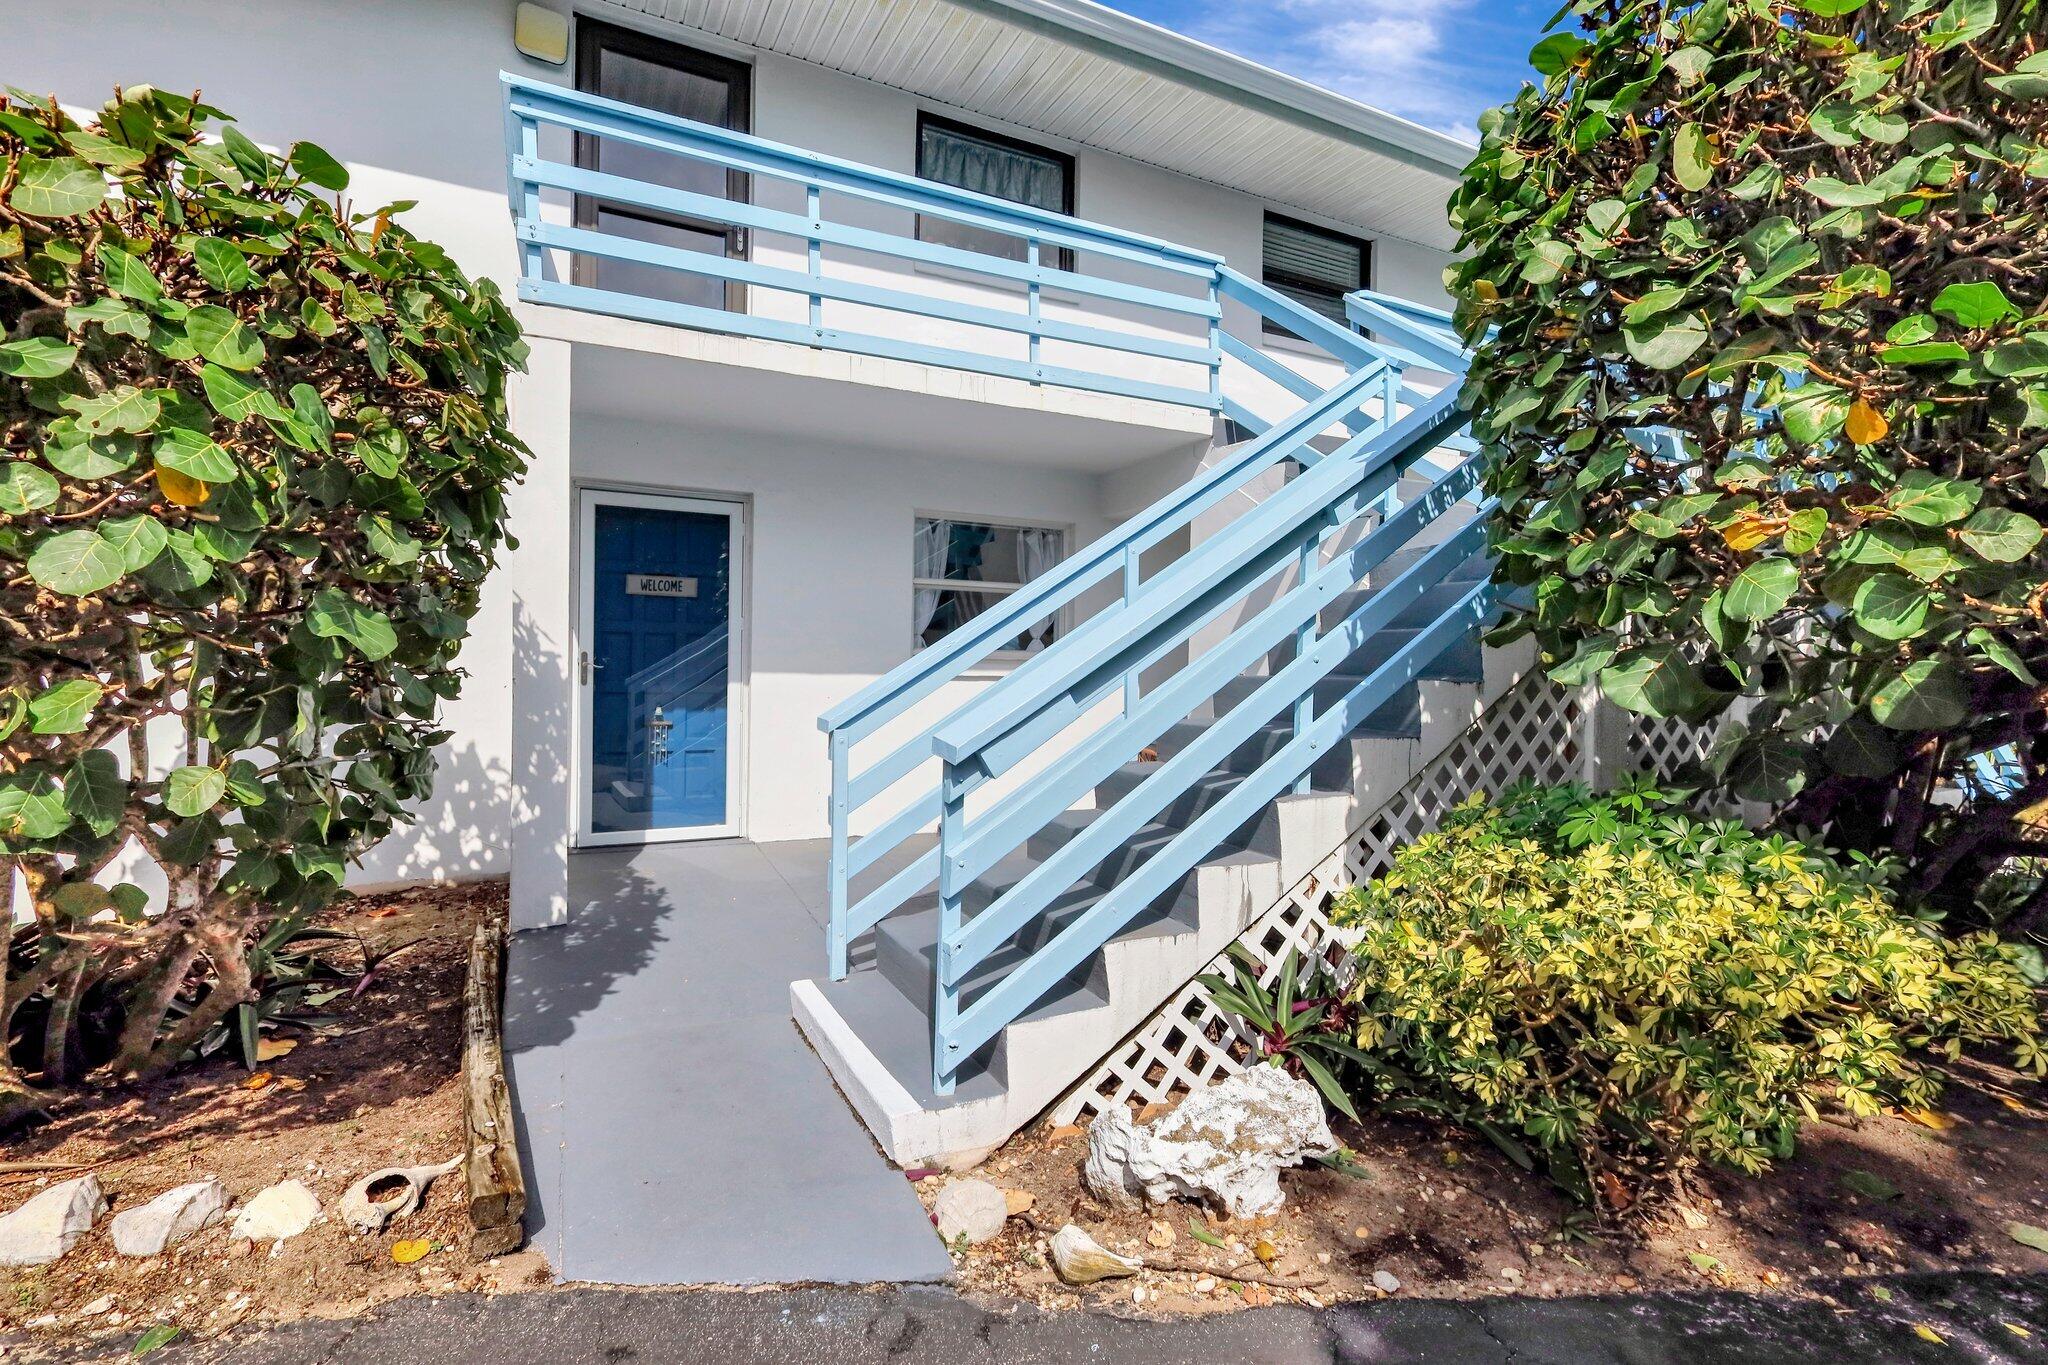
1437, 62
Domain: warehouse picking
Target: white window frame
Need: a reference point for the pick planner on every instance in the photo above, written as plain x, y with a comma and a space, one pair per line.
1059, 616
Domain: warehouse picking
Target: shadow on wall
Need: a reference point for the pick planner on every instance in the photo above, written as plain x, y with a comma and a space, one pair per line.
463, 831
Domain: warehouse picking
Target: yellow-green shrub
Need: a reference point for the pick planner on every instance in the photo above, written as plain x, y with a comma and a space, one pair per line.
1630, 988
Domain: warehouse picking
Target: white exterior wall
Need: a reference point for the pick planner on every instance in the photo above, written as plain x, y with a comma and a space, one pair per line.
406, 92
827, 577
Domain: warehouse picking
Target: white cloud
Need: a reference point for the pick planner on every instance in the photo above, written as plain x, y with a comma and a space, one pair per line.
1408, 57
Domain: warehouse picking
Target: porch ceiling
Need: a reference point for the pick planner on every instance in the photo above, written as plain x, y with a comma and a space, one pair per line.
1078, 71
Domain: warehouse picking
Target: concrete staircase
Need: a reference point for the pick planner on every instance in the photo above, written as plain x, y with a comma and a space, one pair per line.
874, 1028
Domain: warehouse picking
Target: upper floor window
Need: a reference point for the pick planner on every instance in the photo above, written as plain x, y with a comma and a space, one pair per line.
637, 69
1315, 267
962, 568
1000, 167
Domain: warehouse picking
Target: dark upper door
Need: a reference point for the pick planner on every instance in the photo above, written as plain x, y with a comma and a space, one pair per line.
634, 68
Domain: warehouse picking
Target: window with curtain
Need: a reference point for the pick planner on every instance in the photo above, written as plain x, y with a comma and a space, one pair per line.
1315, 267
1000, 167
960, 569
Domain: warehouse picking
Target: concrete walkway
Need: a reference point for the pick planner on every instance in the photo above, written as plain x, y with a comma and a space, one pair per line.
676, 1127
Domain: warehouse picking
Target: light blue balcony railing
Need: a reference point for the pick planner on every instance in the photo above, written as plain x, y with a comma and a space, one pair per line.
836, 261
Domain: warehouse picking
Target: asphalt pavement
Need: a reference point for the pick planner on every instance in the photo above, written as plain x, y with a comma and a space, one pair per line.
1968, 1317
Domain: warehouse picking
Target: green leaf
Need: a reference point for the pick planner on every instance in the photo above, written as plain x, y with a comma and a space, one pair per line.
1689, 64
195, 455
163, 1334
1692, 157
1814, 412
389, 541
1891, 606
222, 264
57, 187
1923, 353
2027, 81
36, 358
139, 539
236, 399
1975, 306
1964, 21
76, 563
316, 165
103, 151
1859, 748
25, 487
1840, 194
1203, 1235
2000, 534
1555, 54
89, 457
334, 615
128, 276
64, 709
1664, 345
190, 791
250, 159
1652, 680
1926, 695
2002, 654
1927, 499
1870, 1185
94, 791
1804, 529
1768, 767
223, 338
31, 806
2027, 1235
1761, 590
122, 408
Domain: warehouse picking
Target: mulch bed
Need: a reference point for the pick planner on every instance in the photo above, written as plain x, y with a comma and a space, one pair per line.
1448, 1217
381, 1086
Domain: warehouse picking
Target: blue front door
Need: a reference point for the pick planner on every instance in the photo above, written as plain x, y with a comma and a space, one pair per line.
660, 668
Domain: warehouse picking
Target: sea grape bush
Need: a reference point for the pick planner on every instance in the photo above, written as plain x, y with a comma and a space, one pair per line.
253, 476
1761, 325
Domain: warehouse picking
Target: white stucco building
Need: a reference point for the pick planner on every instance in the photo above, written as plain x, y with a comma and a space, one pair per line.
825, 460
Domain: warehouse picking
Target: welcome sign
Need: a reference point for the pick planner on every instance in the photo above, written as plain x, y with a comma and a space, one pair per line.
660, 585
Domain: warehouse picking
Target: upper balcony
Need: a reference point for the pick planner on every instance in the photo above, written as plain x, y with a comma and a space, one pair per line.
705, 228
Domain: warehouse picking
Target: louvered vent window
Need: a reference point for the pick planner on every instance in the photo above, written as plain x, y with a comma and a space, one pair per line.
1315, 267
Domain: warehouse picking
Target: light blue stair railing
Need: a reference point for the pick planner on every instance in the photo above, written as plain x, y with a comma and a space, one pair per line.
1284, 546
837, 261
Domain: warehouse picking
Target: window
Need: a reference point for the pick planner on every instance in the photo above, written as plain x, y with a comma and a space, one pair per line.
960, 569
1000, 167
1315, 267
636, 69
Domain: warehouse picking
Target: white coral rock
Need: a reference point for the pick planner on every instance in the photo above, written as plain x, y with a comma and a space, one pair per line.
1226, 1144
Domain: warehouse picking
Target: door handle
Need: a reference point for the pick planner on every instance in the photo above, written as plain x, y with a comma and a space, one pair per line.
584, 666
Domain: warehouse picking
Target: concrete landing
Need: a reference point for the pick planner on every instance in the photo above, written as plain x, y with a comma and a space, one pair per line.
675, 1126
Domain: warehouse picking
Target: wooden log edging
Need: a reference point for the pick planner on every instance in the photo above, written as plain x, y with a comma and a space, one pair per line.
490, 1161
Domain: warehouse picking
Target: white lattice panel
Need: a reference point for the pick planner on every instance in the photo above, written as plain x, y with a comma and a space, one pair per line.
1666, 746
1536, 731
